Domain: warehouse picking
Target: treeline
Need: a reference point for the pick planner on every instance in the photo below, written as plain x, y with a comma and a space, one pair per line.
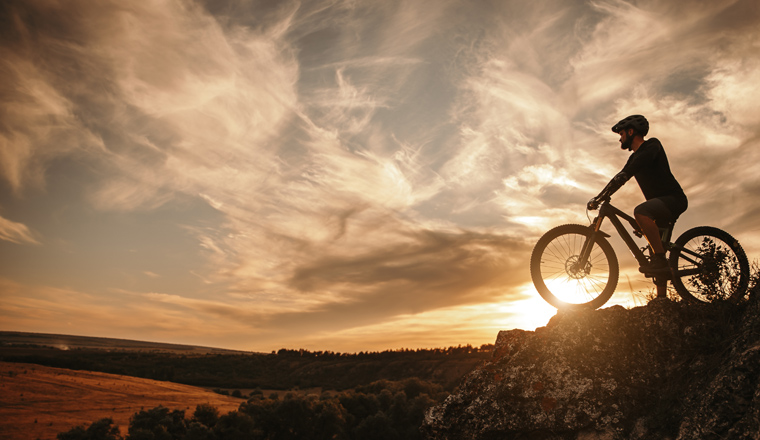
380, 410
459, 349
284, 369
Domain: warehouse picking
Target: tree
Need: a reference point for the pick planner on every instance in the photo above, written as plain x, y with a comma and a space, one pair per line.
236, 426
100, 430
376, 427
206, 414
198, 431
158, 423
297, 418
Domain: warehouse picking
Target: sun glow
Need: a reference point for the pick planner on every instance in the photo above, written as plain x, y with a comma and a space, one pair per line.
528, 313
575, 291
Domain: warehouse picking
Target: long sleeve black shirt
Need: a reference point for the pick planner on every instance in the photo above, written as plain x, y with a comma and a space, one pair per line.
649, 165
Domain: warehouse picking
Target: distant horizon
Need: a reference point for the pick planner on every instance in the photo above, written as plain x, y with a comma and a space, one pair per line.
171, 344
346, 175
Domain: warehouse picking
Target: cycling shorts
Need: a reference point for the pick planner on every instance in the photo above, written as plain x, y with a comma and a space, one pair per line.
663, 210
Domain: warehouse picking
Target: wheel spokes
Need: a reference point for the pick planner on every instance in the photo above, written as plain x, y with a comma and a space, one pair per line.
563, 274
709, 268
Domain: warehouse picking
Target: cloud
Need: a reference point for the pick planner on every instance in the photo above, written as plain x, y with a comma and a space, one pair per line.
16, 232
37, 124
732, 86
119, 314
163, 85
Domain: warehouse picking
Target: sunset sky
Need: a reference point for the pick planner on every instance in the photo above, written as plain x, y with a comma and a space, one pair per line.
345, 175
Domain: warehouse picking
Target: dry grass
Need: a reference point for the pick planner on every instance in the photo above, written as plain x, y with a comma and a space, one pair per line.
39, 402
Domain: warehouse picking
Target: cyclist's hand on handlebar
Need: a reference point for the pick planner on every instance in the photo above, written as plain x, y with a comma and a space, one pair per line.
592, 204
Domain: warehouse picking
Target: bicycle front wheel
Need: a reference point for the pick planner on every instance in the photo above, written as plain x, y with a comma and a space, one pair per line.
709, 265
560, 278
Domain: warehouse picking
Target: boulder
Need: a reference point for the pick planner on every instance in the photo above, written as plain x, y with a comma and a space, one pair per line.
667, 370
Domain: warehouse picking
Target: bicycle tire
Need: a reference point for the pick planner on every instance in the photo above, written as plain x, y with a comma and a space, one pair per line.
560, 283
709, 265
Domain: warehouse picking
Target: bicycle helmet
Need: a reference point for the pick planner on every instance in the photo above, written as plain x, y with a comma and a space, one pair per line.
636, 122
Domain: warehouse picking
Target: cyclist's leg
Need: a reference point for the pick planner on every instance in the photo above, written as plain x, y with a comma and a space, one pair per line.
648, 214
651, 232
661, 212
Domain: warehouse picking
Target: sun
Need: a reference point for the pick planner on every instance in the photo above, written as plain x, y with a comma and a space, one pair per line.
528, 313
574, 291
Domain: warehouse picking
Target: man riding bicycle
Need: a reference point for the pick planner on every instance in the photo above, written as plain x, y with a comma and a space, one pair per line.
665, 199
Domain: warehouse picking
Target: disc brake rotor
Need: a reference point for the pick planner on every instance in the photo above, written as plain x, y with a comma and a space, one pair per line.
574, 269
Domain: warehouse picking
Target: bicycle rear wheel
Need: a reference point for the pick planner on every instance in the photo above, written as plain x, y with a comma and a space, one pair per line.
558, 277
709, 265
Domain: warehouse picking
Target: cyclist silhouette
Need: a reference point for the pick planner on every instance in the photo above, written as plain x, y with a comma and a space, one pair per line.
665, 199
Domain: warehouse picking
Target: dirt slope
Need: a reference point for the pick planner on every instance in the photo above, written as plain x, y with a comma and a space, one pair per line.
39, 402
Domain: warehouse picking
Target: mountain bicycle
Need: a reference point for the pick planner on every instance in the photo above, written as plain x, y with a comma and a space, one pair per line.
574, 266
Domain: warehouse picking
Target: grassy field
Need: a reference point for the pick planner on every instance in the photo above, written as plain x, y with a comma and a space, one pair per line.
38, 402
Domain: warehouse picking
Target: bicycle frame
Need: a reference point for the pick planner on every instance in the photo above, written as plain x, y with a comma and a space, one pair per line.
606, 210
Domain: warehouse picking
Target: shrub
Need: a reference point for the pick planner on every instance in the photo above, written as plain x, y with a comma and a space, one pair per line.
99, 430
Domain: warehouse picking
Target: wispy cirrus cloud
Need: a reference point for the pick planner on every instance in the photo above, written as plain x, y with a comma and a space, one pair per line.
38, 123
16, 232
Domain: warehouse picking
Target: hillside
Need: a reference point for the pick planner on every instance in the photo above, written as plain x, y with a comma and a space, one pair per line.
386, 391
667, 370
39, 402
284, 369
72, 342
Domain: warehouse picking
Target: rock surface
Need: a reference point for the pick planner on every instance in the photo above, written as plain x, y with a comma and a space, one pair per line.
667, 370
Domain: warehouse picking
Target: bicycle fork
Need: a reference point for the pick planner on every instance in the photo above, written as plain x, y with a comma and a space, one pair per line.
583, 258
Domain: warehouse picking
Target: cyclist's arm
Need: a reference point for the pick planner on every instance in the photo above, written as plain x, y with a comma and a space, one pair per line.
640, 159
614, 185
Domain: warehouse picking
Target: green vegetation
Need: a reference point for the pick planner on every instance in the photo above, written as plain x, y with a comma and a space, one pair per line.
283, 370
373, 395
380, 410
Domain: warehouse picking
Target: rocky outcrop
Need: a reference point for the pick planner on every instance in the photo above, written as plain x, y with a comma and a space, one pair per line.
667, 370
